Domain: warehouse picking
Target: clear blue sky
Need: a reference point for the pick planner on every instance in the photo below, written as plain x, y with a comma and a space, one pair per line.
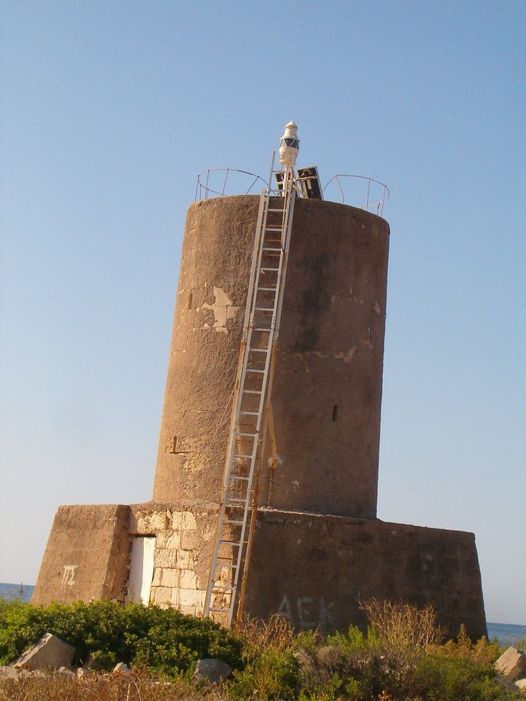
110, 109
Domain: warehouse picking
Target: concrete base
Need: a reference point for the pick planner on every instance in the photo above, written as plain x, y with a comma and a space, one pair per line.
86, 556
314, 569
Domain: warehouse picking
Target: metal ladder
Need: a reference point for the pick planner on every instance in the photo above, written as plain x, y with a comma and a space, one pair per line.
263, 311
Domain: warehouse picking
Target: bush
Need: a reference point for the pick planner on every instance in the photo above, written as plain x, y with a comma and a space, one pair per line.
165, 640
392, 662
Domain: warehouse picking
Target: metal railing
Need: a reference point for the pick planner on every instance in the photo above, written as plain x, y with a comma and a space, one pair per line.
356, 190
359, 188
220, 182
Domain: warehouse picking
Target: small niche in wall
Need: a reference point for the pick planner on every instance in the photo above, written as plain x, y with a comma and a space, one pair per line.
173, 447
190, 300
334, 412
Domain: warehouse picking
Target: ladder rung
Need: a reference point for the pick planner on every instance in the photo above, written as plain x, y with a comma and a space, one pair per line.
240, 455
267, 289
233, 523
261, 329
251, 435
263, 309
250, 391
251, 413
258, 350
258, 371
239, 477
274, 210
273, 228
274, 269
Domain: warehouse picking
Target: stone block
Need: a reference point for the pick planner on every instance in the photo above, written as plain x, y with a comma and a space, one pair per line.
511, 664
188, 521
121, 668
165, 558
188, 579
157, 574
173, 540
155, 521
83, 540
177, 520
49, 653
521, 685
189, 540
191, 597
170, 577
161, 595
185, 559
188, 610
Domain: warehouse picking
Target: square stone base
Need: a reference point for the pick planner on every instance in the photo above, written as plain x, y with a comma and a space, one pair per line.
314, 569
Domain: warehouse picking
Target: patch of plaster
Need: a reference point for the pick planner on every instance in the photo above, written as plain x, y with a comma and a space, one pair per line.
223, 310
346, 357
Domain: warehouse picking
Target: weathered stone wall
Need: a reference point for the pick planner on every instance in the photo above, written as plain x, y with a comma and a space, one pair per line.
328, 376
183, 550
86, 556
315, 569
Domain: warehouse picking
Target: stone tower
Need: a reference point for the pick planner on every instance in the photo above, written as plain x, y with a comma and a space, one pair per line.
318, 546
322, 456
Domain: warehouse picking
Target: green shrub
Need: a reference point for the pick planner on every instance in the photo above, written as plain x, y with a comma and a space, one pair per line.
271, 675
444, 679
165, 640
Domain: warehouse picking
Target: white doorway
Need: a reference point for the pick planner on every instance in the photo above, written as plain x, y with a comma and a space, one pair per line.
141, 569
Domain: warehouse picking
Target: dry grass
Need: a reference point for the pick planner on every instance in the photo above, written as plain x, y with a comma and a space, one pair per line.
276, 633
102, 687
402, 625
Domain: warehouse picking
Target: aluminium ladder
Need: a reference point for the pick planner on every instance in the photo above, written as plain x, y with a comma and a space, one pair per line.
264, 300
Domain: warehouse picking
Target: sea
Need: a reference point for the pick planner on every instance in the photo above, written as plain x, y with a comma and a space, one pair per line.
504, 633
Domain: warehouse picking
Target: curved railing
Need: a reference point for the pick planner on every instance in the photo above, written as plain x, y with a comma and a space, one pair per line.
219, 182
358, 188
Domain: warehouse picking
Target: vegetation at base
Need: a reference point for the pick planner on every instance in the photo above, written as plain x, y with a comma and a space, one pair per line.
164, 640
400, 658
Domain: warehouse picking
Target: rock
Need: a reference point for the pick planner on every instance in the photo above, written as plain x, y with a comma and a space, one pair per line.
212, 670
49, 653
521, 685
121, 668
67, 671
81, 672
511, 664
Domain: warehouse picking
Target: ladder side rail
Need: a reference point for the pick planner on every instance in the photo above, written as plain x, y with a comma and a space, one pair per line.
242, 367
238, 560
285, 245
262, 216
262, 399
286, 220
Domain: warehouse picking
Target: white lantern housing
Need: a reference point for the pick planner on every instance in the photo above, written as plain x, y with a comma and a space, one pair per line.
289, 145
